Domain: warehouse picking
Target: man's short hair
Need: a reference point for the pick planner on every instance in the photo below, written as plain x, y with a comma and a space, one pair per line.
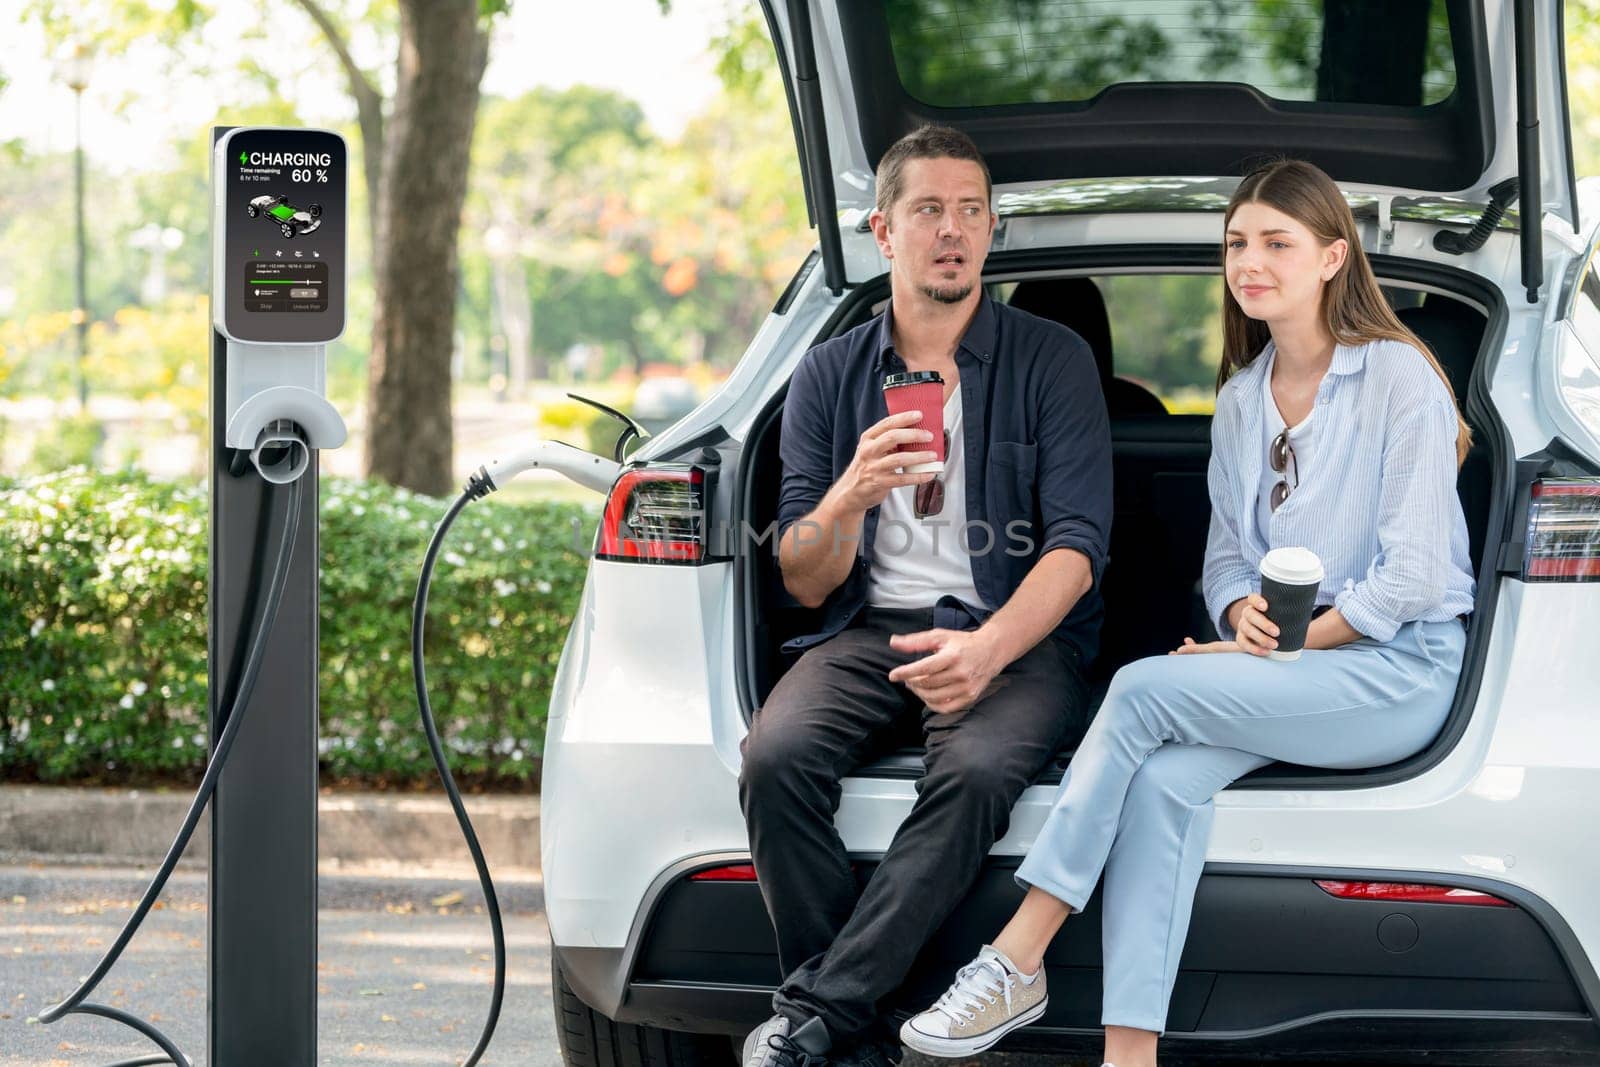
925, 142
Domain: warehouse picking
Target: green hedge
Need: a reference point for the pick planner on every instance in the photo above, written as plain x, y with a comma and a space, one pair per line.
103, 629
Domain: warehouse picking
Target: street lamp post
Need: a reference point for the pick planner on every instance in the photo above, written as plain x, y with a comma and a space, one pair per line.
74, 69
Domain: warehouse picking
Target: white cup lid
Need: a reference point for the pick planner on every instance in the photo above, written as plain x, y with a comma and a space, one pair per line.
1292, 566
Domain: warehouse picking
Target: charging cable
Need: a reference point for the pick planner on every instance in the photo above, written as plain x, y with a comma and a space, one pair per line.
77, 1003
477, 487
586, 469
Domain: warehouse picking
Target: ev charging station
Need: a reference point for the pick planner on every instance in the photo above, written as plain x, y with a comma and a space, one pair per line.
278, 297
279, 223
278, 282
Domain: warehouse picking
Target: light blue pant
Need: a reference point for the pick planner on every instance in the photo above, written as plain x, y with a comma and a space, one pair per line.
1136, 800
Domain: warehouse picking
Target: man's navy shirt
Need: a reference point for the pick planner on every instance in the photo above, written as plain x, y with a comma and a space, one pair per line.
1038, 458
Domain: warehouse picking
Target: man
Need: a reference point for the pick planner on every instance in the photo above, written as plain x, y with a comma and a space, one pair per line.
968, 595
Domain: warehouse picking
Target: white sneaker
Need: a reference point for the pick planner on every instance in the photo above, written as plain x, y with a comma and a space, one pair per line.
778, 1043
990, 998
757, 1053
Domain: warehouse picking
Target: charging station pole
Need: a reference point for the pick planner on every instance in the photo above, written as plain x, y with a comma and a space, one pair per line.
278, 278
262, 996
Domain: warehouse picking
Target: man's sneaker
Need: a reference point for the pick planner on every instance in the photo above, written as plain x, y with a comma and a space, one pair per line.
988, 1000
779, 1043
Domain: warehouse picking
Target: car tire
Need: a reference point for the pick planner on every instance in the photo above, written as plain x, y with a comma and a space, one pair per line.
253, 210
589, 1039
288, 231
315, 211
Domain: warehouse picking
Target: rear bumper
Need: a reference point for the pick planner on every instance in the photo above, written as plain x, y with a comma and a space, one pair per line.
1274, 967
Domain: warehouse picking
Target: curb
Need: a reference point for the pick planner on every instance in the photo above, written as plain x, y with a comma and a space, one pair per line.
64, 824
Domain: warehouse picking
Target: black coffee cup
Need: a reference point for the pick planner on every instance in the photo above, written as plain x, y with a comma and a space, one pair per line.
1290, 578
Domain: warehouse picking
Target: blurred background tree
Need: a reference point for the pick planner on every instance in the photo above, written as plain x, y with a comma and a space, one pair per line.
595, 251
413, 146
592, 249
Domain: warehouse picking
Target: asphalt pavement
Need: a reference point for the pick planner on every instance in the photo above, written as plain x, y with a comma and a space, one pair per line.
404, 972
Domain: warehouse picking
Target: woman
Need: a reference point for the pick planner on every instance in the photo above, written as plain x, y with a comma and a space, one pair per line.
1336, 430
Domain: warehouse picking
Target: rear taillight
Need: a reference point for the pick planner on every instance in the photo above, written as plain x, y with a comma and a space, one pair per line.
655, 515
736, 872
1563, 539
1410, 893
733, 872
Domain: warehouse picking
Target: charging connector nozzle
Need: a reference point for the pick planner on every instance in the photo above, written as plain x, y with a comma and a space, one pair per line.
585, 468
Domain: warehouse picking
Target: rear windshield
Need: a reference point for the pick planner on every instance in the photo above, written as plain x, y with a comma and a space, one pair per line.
976, 53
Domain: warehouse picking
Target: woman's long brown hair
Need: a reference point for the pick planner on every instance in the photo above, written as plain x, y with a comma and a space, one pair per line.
1353, 306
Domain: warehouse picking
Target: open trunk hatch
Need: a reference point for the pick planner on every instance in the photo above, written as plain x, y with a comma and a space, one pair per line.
1415, 95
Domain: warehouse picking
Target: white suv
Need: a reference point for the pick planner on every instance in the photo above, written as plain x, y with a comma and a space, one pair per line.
1444, 908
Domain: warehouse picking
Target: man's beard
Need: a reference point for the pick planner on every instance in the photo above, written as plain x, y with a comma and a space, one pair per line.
947, 294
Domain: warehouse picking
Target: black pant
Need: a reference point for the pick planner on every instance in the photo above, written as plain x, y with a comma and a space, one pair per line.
840, 955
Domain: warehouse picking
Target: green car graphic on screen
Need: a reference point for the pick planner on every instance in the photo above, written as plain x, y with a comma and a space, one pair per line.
291, 221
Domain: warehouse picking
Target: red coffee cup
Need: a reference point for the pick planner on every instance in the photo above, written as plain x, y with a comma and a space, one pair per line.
919, 390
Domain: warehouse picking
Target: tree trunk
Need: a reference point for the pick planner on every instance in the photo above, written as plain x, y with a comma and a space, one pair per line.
443, 50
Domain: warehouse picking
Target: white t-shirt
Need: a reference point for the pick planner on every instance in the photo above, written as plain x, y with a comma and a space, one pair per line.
917, 561
1300, 439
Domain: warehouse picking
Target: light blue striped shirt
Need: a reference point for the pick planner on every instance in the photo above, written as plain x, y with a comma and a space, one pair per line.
1376, 501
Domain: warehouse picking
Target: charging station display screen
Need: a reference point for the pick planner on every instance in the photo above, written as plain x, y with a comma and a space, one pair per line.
283, 219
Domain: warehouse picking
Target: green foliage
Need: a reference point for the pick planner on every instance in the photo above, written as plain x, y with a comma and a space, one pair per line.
36, 238
1583, 82
104, 639
563, 129
542, 244
506, 585
104, 635
1168, 332
36, 231
584, 426
157, 354
71, 442
579, 425
583, 227
112, 25
745, 56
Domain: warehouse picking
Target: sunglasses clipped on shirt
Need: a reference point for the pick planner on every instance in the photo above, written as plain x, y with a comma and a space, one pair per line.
929, 499
1281, 457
